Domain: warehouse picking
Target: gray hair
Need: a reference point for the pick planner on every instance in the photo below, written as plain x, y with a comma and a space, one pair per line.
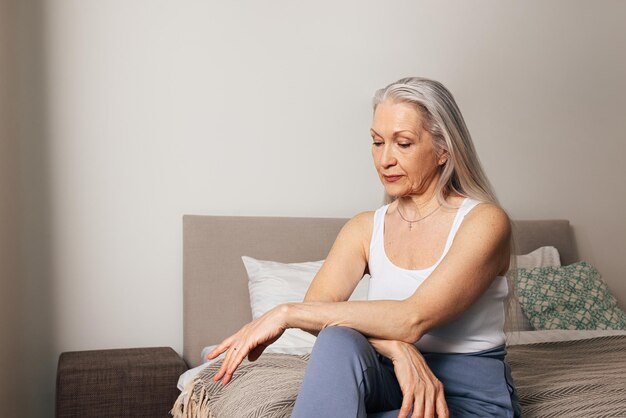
462, 171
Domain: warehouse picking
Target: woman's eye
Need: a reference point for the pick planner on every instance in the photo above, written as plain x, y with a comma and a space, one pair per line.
404, 145
376, 144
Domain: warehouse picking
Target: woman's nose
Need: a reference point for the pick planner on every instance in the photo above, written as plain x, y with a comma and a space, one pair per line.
387, 158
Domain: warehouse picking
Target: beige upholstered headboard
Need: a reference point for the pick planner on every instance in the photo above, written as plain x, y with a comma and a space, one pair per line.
215, 284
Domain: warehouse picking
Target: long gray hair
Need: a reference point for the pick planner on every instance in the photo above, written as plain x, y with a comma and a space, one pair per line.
462, 171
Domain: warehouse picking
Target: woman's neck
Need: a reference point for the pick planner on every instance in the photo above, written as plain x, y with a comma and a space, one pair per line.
417, 206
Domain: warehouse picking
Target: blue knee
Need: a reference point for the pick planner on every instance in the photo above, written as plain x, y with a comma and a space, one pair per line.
341, 340
340, 334
333, 381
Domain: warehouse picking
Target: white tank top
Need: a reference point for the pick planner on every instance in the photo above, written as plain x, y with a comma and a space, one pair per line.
480, 327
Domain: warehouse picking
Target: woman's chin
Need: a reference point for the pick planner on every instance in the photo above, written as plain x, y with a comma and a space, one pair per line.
394, 192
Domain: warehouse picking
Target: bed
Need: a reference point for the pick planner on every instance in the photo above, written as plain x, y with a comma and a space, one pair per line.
570, 373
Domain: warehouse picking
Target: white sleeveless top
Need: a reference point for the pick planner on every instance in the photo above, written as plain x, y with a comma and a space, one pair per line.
480, 327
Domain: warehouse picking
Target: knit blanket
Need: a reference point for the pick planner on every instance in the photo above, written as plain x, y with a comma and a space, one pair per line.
581, 378
265, 388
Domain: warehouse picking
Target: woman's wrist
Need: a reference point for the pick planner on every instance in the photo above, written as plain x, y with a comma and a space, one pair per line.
306, 316
283, 312
388, 348
404, 351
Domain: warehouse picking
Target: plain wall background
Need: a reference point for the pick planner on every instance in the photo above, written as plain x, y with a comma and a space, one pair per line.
134, 113
10, 266
28, 352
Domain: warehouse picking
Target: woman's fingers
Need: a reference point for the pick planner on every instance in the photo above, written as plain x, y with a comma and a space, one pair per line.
238, 350
422, 391
441, 405
222, 370
435, 401
224, 366
418, 403
251, 340
422, 402
229, 364
214, 353
407, 404
235, 361
425, 398
429, 401
223, 346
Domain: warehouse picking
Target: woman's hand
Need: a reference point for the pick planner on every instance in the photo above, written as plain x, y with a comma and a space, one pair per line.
250, 341
421, 390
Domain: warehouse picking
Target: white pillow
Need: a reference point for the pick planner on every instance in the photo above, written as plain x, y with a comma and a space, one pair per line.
542, 257
272, 283
547, 256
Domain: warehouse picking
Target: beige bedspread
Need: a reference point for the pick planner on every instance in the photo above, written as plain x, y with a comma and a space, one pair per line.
581, 378
267, 387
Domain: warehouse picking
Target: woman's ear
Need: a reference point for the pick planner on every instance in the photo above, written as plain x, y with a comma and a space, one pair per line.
443, 158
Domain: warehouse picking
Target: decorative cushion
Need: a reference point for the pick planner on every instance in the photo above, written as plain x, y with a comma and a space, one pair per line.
568, 297
272, 283
541, 257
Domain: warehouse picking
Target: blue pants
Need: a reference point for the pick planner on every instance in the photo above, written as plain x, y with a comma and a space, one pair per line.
346, 378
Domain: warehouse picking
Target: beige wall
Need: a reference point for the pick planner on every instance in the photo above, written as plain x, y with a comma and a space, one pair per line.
154, 109
10, 336
28, 351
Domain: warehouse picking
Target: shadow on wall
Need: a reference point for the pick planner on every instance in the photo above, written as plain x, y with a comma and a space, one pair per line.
10, 336
27, 351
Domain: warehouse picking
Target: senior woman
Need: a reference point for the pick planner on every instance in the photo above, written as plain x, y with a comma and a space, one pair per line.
429, 341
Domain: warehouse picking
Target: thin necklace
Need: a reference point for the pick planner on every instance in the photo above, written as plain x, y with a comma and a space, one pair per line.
416, 220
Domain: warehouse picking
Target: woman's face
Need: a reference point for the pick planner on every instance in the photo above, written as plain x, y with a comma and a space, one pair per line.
403, 150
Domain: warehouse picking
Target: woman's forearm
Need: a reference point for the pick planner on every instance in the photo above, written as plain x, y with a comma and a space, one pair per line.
384, 319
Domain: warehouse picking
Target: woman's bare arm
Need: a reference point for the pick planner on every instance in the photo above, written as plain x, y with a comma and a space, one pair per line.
345, 264
478, 254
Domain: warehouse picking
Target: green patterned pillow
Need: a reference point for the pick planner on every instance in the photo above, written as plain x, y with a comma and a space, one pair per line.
568, 297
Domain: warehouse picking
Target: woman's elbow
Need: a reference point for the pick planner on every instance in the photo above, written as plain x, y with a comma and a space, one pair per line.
413, 334
414, 326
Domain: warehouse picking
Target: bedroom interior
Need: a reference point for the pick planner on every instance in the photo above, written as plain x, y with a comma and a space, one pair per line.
119, 118
570, 360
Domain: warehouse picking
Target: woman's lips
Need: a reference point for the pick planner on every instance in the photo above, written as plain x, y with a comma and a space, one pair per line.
391, 179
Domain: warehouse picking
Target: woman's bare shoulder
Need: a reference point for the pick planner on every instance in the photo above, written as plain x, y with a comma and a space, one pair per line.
487, 217
349, 253
363, 219
488, 214
361, 225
